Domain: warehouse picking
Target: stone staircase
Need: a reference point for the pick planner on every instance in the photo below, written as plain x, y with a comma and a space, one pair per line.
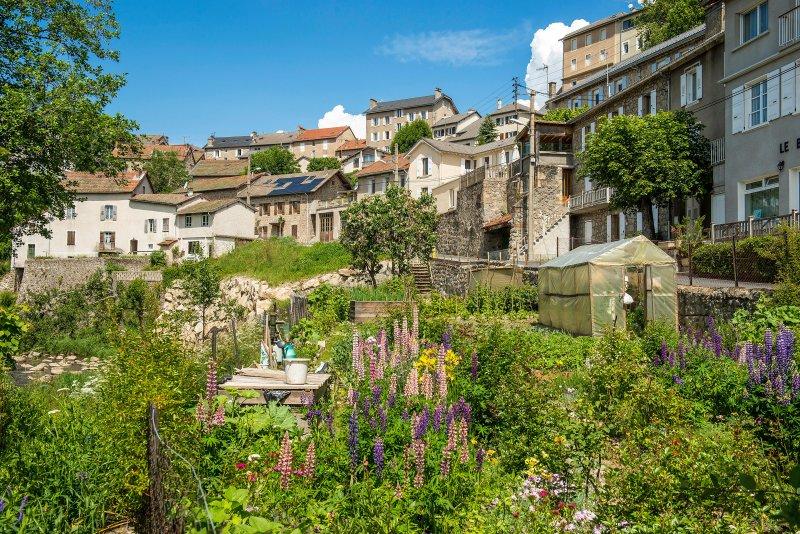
544, 247
422, 278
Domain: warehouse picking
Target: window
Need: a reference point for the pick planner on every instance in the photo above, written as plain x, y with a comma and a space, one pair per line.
279, 208
452, 198
588, 59
238, 151
372, 187
753, 23
294, 207
70, 238
758, 103
195, 248
424, 114
187, 221
603, 54
302, 147
374, 136
396, 127
692, 85
70, 213
387, 135
109, 213
398, 113
588, 39
410, 117
486, 161
216, 153
150, 226
575, 43
425, 167
376, 121
369, 158
165, 224
355, 162
424, 190
386, 119
294, 231
265, 209
107, 239
625, 47
573, 64
627, 24
31, 250
325, 141
761, 198
205, 219
603, 34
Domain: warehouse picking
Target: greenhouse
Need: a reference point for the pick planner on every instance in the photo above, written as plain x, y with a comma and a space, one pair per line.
594, 287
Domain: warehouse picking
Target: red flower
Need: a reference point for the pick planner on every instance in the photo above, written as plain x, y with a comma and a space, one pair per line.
240, 465
251, 477
543, 493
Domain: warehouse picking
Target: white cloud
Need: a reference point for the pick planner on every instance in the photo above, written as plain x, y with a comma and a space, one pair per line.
453, 47
339, 117
547, 49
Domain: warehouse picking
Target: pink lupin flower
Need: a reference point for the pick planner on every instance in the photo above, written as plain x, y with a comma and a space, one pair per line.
452, 437
218, 418
311, 459
411, 388
463, 452
396, 346
284, 466
441, 373
444, 465
418, 447
356, 350
373, 366
351, 397
415, 331
202, 413
426, 385
393, 384
404, 336
211, 380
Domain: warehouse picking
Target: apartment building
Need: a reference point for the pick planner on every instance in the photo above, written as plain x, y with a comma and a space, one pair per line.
761, 111
599, 45
319, 143
433, 163
387, 117
375, 178
509, 119
304, 206
240, 146
451, 127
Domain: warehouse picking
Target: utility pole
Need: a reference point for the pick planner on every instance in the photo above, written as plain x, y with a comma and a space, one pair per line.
396, 167
249, 175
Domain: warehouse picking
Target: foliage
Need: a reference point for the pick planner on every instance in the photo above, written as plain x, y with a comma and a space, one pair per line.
408, 135
487, 132
274, 160
202, 286
690, 235
751, 326
661, 20
53, 96
280, 260
323, 164
563, 114
365, 224
757, 259
137, 303
158, 258
648, 161
12, 328
166, 171
482, 299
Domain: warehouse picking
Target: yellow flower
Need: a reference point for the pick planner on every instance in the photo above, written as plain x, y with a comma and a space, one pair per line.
560, 440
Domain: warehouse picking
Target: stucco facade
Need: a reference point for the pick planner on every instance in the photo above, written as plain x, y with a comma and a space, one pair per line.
383, 119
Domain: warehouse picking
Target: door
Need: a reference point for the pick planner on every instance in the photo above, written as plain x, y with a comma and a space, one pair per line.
326, 227
134, 246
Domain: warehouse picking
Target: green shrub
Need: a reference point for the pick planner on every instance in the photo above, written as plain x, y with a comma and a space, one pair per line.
158, 258
751, 326
758, 259
483, 299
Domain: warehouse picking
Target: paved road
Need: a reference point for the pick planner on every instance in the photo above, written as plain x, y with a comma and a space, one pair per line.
715, 283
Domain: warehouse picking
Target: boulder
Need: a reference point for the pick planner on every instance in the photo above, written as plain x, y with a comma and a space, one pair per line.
347, 273
40, 367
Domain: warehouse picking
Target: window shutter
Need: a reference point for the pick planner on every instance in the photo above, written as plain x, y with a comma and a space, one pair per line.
788, 89
639, 223
102, 213
146, 224
593, 127
699, 74
115, 212
583, 138
101, 238
774, 95
683, 89
737, 109
653, 107
640, 104
621, 110
610, 114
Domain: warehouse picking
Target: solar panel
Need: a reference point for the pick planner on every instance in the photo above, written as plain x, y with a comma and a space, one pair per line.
295, 185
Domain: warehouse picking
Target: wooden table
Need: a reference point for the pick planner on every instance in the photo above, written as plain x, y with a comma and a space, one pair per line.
263, 380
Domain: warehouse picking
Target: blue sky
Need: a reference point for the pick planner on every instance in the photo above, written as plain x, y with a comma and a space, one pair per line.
196, 67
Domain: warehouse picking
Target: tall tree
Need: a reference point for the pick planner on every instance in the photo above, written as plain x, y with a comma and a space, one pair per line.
53, 93
274, 160
410, 227
408, 135
202, 285
324, 164
487, 133
648, 161
661, 20
166, 171
364, 234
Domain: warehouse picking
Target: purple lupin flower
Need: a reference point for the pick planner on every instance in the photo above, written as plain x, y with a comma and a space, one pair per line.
438, 412
405, 415
391, 400
795, 384
784, 349
352, 440
382, 420
420, 425
661, 357
376, 395
329, 422
365, 406
21, 513
768, 348
779, 389
681, 355
480, 454
678, 380
473, 370
2, 505
377, 456
447, 340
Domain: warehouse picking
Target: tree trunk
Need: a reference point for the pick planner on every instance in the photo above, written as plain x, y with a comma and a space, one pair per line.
648, 224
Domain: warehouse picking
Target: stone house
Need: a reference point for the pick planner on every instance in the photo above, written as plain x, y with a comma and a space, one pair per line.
188, 154
319, 143
210, 228
241, 146
375, 178
357, 154
304, 206
385, 118
433, 163
507, 119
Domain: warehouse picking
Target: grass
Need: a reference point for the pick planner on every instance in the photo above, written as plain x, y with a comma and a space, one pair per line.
280, 260
84, 346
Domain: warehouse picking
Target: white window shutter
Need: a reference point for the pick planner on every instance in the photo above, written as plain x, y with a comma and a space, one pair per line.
640, 109
463, 165
699, 74
593, 128
788, 89
653, 108
610, 114
683, 89
115, 213
621, 110
102, 213
774, 94
639, 224
146, 224
737, 109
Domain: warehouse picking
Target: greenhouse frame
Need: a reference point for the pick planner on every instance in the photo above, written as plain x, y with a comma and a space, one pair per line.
582, 291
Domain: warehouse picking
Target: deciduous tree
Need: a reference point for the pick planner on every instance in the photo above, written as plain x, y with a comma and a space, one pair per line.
202, 285
487, 132
166, 171
53, 95
274, 160
650, 160
364, 234
563, 114
323, 164
661, 20
408, 135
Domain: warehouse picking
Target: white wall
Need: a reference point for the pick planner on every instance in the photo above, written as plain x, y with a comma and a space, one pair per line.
227, 224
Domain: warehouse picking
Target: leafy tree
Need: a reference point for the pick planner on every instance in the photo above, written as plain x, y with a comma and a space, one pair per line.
487, 132
53, 93
274, 160
138, 300
323, 164
363, 233
563, 114
661, 20
650, 160
411, 227
12, 328
408, 135
202, 285
166, 171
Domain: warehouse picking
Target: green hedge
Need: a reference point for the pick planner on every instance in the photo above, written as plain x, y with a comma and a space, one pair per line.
757, 259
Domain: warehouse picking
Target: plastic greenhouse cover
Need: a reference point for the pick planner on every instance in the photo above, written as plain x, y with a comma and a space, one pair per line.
633, 251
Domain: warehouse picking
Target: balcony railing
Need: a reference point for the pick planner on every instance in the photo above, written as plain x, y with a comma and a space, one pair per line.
590, 199
753, 227
718, 151
789, 27
338, 202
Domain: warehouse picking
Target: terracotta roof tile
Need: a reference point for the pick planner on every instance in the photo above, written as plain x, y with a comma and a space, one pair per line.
209, 206
201, 185
384, 165
219, 167
321, 133
352, 144
86, 182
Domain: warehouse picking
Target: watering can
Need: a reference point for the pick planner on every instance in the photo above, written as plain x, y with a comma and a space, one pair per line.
288, 351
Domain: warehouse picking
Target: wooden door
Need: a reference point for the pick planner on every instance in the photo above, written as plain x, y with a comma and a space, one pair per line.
326, 227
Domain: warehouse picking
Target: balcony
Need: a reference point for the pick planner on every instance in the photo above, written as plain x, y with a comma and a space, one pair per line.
338, 202
589, 200
753, 227
718, 151
789, 27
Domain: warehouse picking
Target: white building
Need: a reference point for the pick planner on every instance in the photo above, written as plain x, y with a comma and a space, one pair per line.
214, 227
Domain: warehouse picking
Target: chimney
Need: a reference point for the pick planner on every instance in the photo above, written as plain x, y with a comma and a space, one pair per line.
437, 93
210, 140
499, 103
372, 103
551, 89
189, 191
253, 134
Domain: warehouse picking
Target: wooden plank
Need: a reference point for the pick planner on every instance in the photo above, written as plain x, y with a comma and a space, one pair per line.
265, 373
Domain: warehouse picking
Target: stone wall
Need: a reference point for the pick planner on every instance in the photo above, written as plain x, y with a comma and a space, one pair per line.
696, 304
452, 277
42, 274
